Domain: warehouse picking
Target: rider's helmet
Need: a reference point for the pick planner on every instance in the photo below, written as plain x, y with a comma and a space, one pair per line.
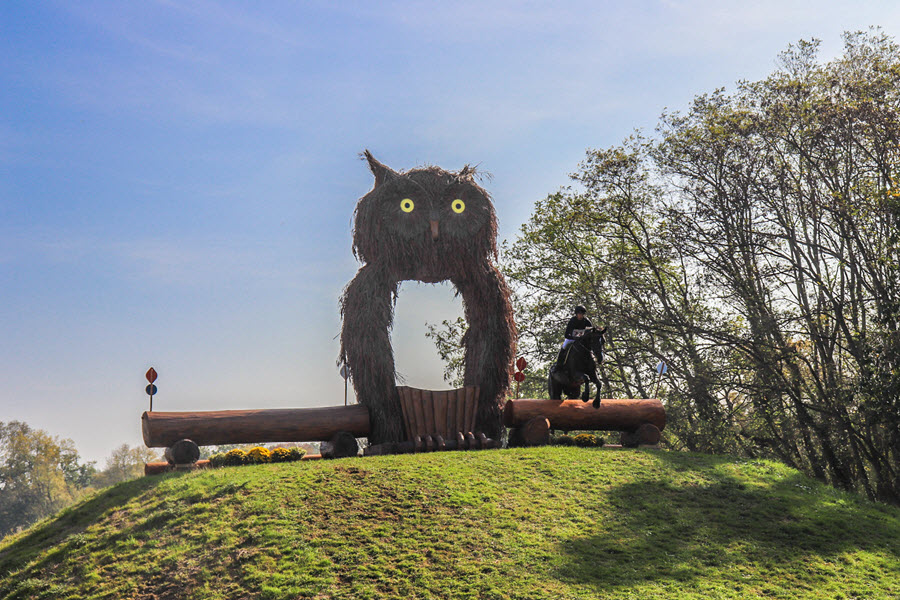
580, 309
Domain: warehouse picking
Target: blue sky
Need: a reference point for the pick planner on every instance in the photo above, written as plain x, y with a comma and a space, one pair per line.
177, 179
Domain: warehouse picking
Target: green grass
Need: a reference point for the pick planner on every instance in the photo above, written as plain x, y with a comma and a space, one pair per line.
526, 523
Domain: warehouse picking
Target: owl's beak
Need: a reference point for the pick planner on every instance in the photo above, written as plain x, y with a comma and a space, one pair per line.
434, 230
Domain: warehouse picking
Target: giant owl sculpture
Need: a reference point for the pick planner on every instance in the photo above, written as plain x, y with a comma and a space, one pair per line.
427, 225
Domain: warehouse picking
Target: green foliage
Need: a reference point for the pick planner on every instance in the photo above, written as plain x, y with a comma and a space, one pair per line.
753, 245
235, 457
123, 464
447, 339
256, 455
207, 452
527, 523
587, 440
583, 440
281, 455
297, 453
39, 474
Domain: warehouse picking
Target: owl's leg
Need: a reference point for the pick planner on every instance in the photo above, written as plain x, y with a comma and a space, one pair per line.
367, 309
490, 341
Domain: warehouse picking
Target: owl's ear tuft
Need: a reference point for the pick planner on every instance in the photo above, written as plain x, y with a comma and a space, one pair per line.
381, 172
472, 174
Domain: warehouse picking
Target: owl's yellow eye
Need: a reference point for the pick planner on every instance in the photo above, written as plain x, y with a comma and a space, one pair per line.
406, 205
458, 206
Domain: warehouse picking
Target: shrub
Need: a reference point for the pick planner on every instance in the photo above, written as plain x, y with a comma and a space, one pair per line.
287, 454
563, 440
587, 440
256, 455
235, 457
259, 454
281, 455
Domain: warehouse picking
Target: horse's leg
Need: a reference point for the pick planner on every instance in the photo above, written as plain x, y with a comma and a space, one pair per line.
592, 375
554, 389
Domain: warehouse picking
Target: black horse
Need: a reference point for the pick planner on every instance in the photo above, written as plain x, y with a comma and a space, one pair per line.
578, 367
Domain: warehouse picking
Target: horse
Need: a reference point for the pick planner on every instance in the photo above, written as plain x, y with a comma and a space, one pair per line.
578, 367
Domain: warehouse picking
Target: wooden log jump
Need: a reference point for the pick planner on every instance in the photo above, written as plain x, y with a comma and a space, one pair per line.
641, 420
208, 428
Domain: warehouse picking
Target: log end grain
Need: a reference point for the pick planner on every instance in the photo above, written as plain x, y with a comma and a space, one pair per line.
648, 434
342, 444
183, 452
536, 432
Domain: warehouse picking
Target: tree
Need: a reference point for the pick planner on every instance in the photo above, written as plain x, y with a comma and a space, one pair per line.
752, 244
39, 475
123, 464
447, 339
789, 193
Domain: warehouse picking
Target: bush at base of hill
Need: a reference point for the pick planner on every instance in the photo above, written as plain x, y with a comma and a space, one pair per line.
256, 455
259, 454
584, 440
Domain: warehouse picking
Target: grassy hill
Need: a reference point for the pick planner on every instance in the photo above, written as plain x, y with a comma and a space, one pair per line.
526, 523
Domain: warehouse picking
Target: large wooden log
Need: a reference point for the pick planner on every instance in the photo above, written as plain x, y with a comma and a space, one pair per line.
613, 414
162, 429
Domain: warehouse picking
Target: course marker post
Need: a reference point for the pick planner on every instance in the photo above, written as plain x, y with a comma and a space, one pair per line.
151, 389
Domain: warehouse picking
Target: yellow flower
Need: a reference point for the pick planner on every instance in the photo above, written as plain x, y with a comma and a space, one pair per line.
259, 455
235, 457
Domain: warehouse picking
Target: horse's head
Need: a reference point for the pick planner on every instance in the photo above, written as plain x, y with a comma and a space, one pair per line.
597, 342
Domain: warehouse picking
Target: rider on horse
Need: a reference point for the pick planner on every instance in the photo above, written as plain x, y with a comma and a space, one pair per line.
576, 364
576, 323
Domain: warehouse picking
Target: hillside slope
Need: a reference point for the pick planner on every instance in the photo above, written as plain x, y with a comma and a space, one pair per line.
525, 523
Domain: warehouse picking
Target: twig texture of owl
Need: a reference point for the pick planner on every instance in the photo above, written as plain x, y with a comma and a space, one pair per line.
428, 225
